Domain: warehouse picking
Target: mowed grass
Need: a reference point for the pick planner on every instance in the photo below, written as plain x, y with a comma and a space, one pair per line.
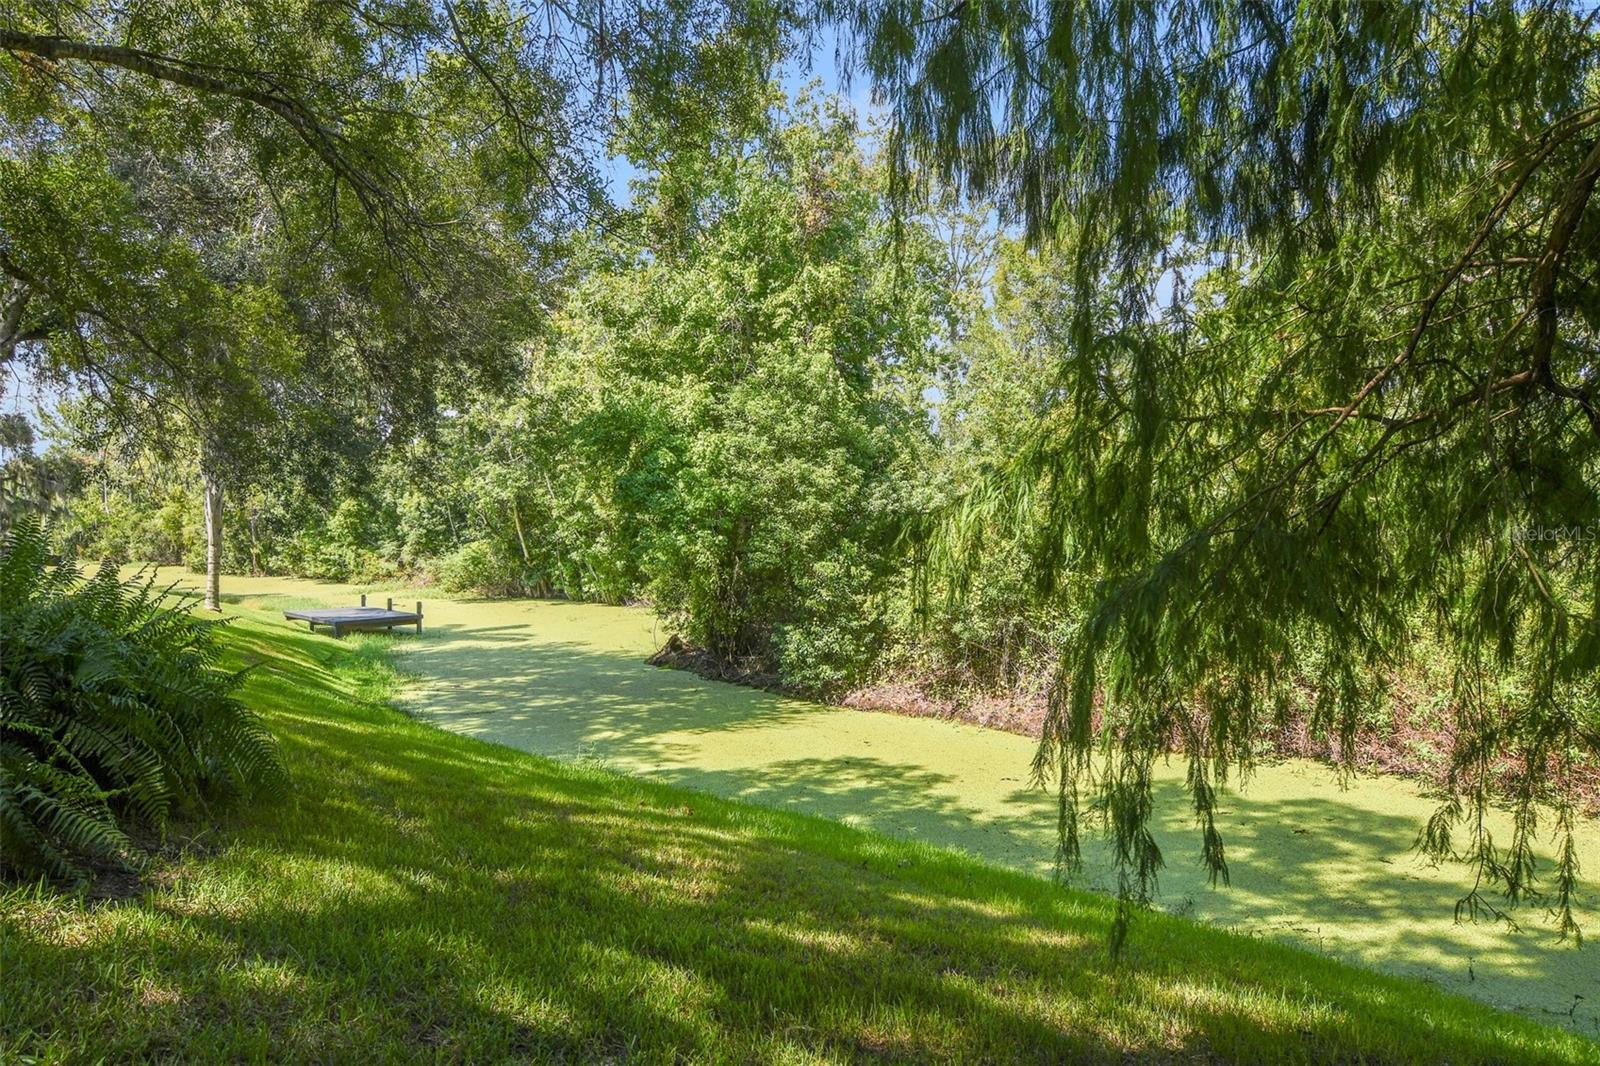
419, 895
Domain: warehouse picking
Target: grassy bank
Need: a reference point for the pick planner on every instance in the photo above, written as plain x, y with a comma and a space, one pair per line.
1314, 862
424, 895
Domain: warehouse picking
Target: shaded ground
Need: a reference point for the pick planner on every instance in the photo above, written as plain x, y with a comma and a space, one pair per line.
1312, 863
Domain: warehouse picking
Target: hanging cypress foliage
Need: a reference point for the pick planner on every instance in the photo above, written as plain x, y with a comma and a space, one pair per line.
1342, 392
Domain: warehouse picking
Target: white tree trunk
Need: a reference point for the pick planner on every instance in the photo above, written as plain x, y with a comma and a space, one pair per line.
212, 486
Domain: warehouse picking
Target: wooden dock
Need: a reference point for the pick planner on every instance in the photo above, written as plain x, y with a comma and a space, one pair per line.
343, 620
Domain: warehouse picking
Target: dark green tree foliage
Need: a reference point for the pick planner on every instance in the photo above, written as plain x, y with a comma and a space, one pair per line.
32, 484
355, 106
113, 714
518, 508
729, 423
138, 495
981, 629
755, 407
338, 186
201, 291
1368, 407
227, 214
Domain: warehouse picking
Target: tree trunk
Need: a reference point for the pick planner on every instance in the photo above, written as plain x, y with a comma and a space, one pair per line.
255, 555
522, 542
212, 487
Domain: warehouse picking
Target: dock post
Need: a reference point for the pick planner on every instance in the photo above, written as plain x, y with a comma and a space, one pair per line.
363, 599
391, 603
419, 618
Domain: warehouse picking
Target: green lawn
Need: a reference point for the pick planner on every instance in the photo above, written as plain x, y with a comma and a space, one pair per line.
1313, 863
420, 894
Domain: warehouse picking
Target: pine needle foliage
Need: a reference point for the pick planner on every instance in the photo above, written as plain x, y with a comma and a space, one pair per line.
1328, 380
114, 713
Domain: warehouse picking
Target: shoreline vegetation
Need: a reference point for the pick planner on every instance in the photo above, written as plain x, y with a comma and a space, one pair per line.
1413, 744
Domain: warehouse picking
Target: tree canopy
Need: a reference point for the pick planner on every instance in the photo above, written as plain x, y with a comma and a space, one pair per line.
225, 212
1328, 378
424, 156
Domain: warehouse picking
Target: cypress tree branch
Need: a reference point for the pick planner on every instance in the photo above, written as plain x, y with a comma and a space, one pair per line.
1547, 274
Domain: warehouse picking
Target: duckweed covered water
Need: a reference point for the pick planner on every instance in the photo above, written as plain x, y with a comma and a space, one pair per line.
1312, 862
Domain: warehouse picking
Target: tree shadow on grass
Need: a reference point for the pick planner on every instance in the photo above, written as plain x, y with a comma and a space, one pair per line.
421, 897
1324, 870
1317, 874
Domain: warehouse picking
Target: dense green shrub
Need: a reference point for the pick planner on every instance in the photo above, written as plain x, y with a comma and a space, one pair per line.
477, 566
348, 545
988, 635
161, 526
833, 638
751, 417
113, 713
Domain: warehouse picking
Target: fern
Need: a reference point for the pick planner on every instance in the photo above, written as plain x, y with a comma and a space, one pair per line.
113, 714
